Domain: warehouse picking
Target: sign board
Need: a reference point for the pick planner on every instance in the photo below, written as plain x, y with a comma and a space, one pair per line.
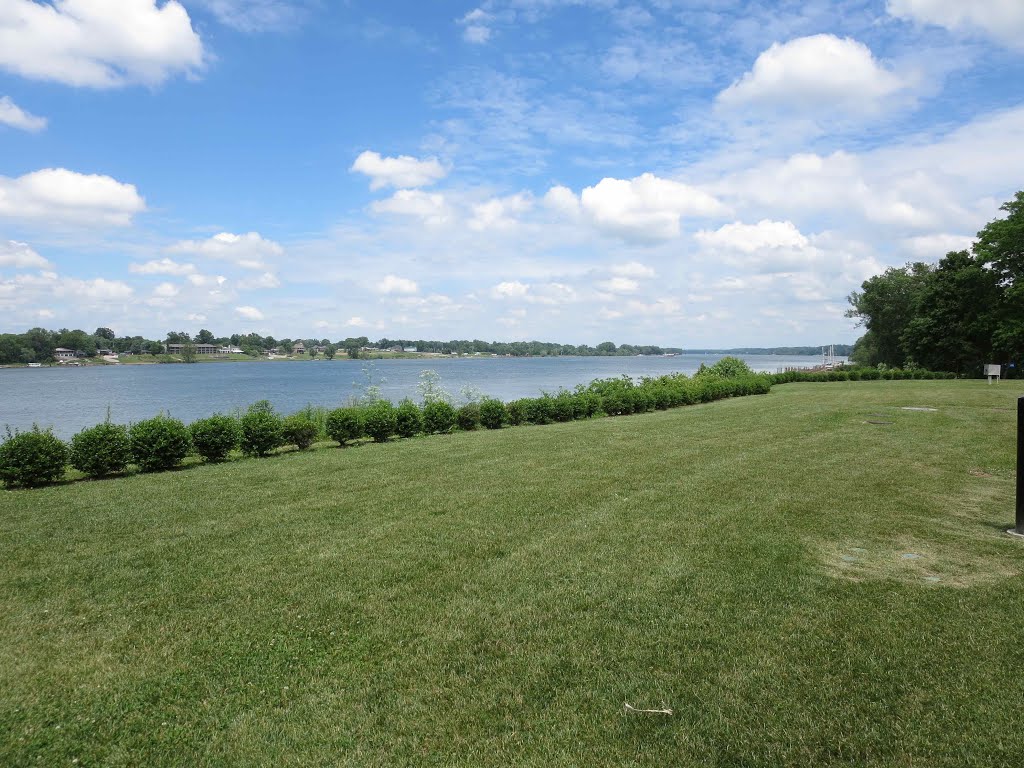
993, 370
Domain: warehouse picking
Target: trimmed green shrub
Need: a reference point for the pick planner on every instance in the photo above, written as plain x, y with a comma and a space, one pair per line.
33, 458
344, 425
262, 429
215, 437
101, 450
492, 413
159, 443
298, 430
380, 421
516, 412
438, 417
468, 417
409, 419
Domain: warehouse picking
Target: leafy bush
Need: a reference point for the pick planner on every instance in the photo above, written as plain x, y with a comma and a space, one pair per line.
516, 412
215, 437
159, 443
33, 458
468, 417
492, 413
409, 419
298, 430
101, 450
380, 421
344, 425
438, 416
727, 368
262, 429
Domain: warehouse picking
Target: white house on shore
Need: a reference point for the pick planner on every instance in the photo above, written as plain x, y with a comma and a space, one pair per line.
61, 353
200, 349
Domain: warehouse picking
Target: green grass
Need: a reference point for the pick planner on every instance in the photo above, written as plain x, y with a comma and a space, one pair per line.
494, 598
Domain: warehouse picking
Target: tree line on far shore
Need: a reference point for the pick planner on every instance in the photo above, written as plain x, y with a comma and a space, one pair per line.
957, 315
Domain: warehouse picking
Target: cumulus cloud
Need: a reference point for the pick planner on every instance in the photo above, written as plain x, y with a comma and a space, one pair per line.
20, 256
814, 74
632, 269
619, 285
562, 200
475, 26
510, 290
14, 116
394, 284
431, 207
249, 251
646, 208
1002, 20
499, 212
162, 267
65, 197
749, 238
249, 313
402, 171
98, 43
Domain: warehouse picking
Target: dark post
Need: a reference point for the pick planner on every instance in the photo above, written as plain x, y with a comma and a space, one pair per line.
1020, 467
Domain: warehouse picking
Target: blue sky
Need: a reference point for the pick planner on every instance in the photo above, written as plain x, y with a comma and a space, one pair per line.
676, 172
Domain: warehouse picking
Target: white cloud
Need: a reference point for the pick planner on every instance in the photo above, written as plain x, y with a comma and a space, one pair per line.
430, 207
1003, 20
934, 247
394, 284
249, 251
632, 269
499, 212
814, 74
619, 285
162, 267
252, 16
249, 313
510, 290
749, 238
266, 280
20, 256
166, 290
475, 27
562, 200
13, 115
646, 208
98, 43
402, 171
60, 196
207, 281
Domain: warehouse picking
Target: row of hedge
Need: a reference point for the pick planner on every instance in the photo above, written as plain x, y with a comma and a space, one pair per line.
858, 374
37, 457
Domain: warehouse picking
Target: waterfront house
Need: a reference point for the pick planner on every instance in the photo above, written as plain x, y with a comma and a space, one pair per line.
200, 349
299, 348
65, 354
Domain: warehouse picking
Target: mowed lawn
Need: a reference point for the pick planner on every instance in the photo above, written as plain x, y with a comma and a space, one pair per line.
797, 585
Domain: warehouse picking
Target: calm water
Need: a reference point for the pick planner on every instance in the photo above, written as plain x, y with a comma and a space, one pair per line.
69, 399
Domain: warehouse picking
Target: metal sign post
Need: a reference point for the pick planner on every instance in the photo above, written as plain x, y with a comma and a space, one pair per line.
1019, 529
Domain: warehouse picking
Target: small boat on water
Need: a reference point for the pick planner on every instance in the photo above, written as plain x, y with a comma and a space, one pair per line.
35, 365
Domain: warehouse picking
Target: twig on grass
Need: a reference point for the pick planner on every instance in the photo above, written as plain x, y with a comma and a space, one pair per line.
636, 711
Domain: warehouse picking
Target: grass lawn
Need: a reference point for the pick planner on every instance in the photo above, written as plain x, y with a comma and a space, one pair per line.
799, 587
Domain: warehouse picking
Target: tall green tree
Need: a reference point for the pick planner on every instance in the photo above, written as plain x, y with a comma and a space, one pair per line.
953, 319
1000, 246
885, 307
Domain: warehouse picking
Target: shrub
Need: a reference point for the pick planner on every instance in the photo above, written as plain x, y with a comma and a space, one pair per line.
516, 412
380, 421
298, 430
409, 419
214, 438
438, 416
344, 425
101, 450
262, 430
468, 417
727, 368
492, 413
159, 443
33, 458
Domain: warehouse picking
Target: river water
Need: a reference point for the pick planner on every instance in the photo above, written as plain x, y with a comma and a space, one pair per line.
69, 399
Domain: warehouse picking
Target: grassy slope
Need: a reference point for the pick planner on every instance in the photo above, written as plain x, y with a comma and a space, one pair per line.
494, 598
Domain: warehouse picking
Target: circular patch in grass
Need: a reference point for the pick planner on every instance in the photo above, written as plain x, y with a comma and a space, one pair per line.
879, 422
910, 556
918, 408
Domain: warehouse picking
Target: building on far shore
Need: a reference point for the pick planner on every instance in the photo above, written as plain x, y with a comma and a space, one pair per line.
298, 348
66, 354
200, 349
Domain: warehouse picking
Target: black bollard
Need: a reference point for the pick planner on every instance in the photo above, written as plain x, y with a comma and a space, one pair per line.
1020, 467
